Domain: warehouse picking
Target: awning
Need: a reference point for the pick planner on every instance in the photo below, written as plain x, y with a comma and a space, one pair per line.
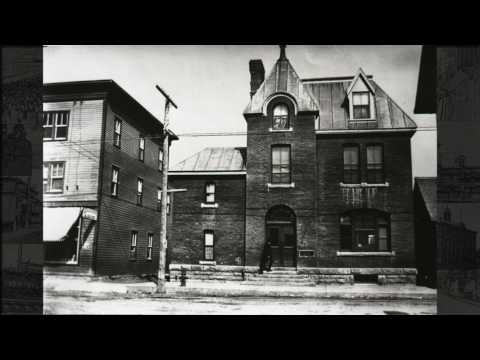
57, 221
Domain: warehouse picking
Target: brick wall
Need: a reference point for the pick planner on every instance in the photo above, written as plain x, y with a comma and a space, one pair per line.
189, 219
397, 199
260, 198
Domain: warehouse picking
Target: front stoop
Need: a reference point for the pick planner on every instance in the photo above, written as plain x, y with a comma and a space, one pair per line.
249, 275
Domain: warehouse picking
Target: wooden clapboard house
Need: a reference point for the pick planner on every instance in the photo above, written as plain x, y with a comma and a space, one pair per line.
101, 179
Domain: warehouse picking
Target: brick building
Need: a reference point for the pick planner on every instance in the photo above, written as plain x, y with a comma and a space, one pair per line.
101, 180
326, 177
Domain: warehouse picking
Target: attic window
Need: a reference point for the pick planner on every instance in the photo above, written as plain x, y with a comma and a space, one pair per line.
280, 117
361, 105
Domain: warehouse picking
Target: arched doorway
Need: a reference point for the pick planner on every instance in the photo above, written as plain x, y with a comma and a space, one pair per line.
282, 232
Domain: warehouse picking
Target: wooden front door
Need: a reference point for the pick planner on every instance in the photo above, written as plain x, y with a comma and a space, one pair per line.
282, 238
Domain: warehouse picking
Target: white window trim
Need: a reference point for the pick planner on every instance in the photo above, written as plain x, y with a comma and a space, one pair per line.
372, 107
150, 245
290, 129
366, 253
207, 262
206, 205
363, 185
281, 186
50, 177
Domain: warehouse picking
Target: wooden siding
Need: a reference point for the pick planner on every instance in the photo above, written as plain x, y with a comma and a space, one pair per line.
81, 150
119, 216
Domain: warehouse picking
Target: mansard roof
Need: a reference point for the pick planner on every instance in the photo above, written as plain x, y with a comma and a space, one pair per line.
331, 98
282, 79
214, 159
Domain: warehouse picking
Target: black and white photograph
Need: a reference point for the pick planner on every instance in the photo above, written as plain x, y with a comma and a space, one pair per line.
243, 179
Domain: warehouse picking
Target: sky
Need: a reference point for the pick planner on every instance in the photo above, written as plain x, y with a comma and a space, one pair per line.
211, 83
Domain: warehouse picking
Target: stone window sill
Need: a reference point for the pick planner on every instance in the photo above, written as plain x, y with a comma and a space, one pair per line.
281, 130
207, 262
209, 206
365, 253
281, 186
364, 185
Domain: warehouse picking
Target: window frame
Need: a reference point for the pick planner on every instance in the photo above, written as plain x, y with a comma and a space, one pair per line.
141, 151
382, 220
359, 161
117, 183
160, 158
117, 136
205, 246
159, 199
380, 171
368, 106
207, 193
133, 245
274, 117
272, 165
50, 177
53, 115
150, 236
168, 203
140, 193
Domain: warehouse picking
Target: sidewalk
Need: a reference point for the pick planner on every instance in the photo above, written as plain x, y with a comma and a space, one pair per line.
128, 287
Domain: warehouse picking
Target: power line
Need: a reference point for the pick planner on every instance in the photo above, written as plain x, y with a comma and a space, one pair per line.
214, 134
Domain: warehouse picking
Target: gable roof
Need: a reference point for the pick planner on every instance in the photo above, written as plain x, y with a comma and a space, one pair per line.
282, 79
214, 159
427, 188
331, 98
360, 75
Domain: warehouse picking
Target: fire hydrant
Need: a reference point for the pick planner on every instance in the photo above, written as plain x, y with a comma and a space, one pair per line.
183, 277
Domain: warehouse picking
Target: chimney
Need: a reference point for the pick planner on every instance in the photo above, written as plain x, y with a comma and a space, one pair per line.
257, 75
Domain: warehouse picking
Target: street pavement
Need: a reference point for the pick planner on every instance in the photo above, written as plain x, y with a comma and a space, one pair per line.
233, 306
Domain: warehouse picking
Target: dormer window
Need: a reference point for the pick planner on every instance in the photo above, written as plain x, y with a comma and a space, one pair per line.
280, 117
361, 105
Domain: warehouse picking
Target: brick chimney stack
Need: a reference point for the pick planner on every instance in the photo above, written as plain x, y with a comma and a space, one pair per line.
257, 75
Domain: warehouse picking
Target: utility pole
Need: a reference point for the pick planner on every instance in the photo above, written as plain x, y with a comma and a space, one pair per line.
163, 228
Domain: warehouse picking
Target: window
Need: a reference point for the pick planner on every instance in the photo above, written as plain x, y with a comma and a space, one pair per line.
53, 177
55, 125
208, 245
159, 199
210, 193
375, 174
160, 159
114, 184
351, 164
361, 105
149, 246
117, 132
365, 230
133, 245
281, 164
280, 117
141, 149
139, 191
